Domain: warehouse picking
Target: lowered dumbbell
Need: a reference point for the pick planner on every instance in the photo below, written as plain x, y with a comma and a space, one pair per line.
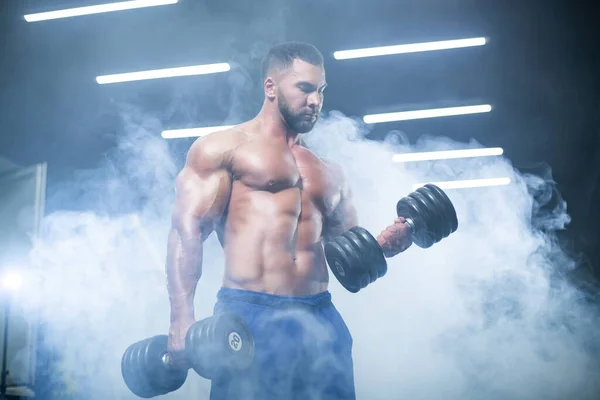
218, 343
356, 258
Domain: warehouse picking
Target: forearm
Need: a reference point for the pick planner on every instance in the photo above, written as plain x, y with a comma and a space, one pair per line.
183, 269
395, 238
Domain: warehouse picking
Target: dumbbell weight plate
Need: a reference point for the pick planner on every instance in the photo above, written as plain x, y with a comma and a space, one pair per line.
375, 255
221, 342
237, 341
144, 371
433, 216
342, 265
165, 378
445, 221
410, 207
432, 213
450, 211
366, 270
198, 350
359, 278
133, 373
440, 222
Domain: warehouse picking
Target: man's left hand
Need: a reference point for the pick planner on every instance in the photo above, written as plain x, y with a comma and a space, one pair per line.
395, 238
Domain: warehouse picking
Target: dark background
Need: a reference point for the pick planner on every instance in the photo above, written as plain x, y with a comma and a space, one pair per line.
540, 71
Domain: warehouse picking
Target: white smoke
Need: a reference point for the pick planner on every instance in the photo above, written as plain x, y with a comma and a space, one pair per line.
479, 315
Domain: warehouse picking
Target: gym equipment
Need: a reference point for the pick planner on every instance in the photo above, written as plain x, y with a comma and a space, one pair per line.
355, 257
212, 345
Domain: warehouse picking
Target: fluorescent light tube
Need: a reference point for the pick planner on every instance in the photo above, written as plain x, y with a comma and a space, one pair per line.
471, 183
447, 154
97, 9
164, 73
193, 132
409, 48
422, 114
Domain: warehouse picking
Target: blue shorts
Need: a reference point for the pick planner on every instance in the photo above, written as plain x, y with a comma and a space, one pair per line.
303, 349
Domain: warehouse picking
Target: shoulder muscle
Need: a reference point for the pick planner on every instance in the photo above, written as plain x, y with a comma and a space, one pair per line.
203, 186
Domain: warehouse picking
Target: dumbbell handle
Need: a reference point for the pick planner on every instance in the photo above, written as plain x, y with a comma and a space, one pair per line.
167, 361
411, 224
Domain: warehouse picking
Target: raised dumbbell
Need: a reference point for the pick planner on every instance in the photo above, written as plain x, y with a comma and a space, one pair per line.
356, 258
212, 345
429, 213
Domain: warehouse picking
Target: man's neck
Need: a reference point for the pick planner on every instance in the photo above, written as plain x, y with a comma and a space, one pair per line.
273, 125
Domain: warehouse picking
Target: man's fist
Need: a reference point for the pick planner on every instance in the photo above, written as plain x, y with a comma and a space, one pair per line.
176, 342
395, 238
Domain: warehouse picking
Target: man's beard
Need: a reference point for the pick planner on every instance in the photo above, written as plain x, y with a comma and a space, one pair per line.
296, 121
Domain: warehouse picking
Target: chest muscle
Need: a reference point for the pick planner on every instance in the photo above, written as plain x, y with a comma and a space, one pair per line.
276, 169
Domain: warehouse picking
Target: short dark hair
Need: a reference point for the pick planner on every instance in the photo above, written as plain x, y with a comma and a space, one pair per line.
284, 54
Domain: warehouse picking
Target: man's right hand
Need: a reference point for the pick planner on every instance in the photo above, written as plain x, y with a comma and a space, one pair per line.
176, 342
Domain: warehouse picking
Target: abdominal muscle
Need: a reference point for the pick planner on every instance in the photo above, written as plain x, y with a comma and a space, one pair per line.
271, 246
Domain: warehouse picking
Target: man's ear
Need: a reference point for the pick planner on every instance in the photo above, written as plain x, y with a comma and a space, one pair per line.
270, 86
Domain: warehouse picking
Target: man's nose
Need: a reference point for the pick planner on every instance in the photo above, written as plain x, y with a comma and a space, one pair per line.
314, 100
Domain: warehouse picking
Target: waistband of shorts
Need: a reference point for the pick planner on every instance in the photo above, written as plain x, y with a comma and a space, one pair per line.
318, 300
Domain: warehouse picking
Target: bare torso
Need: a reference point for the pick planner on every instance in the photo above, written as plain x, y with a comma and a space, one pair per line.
272, 227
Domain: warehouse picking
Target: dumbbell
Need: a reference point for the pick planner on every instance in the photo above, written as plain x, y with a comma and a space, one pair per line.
212, 345
356, 259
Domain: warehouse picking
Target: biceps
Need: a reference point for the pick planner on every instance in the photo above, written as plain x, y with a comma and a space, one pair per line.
200, 202
341, 219
348, 215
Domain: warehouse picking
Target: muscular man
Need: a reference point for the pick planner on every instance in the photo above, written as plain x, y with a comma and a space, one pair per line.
272, 203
